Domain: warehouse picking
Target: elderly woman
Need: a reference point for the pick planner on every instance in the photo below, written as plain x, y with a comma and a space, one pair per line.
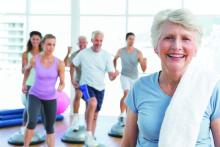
177, 106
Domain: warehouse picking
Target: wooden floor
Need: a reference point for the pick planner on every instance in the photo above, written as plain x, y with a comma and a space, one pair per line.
104, 124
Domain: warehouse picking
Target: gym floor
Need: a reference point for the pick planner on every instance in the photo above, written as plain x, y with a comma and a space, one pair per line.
104, 125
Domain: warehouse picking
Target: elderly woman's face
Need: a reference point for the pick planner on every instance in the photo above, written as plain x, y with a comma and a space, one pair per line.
176, 47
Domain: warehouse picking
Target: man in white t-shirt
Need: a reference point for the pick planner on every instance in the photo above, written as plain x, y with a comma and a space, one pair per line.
94, 63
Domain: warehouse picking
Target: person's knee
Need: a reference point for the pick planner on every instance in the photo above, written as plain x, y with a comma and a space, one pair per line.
31, 124
49, 125
92, 102
77, 98
50, 130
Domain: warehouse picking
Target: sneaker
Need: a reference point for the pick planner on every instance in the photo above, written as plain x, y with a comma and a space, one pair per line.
22, 130
75, 124
90, 141
121, 120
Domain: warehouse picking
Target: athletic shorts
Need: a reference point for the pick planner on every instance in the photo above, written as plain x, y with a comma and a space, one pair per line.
126, 82
99, 95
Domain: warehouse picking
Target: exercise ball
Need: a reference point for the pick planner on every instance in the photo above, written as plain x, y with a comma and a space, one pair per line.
63, 101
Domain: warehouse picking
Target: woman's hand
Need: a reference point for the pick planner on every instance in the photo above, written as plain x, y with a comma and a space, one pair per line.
24, 88
61, 68
60, 87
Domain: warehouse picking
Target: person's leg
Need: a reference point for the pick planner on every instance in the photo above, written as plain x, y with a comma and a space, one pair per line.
94, 122
95, 103
49, 107
90, 116
125, 84
99, 97
33, 111
76, 105
128, 85
90, 113
29, 133
122, 104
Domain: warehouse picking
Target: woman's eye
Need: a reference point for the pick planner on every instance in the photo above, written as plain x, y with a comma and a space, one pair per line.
169, 37
186, 38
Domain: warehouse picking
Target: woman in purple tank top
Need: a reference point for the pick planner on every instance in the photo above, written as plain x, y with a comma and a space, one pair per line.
43, 92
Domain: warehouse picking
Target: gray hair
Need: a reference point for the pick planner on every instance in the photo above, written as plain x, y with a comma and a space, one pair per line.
94, 33
82, 37
181, 17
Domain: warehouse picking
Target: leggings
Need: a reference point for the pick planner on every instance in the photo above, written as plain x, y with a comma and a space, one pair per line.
34, 108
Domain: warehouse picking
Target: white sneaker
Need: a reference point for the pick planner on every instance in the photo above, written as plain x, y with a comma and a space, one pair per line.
22, 130
122, 120
75, 124
90, 141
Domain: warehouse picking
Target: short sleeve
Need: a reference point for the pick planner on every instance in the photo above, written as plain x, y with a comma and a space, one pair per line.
109, 66
215, 102
77, 59
131, 99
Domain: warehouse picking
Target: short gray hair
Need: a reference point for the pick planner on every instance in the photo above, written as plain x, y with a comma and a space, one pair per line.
94, 33
82, 37
181, 17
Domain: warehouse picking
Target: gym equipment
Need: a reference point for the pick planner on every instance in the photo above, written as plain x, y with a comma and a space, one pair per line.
63, 101
99, 145
19, 121
12, 116
76, 137
18, 138
9, 112
117, 129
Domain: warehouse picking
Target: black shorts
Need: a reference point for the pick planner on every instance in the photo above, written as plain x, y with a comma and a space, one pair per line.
99, 95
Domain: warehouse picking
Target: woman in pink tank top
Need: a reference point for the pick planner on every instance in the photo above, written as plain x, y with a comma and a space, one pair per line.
43, 92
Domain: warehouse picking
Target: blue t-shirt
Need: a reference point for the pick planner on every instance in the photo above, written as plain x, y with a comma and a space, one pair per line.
149, 102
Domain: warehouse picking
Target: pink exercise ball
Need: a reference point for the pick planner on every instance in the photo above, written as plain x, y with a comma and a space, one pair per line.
63, 101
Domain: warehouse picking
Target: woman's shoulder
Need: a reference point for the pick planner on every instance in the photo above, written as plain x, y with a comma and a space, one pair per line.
58, 60
216, 90
215, 102
24, 54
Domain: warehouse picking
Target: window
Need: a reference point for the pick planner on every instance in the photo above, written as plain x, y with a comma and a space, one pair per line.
12, 6
113, 28
102, 7
141, 7
210, 7
141, 26
12, 44
50, 6
56, 25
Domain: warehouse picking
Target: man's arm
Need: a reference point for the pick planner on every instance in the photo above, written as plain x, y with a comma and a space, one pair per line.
142, 61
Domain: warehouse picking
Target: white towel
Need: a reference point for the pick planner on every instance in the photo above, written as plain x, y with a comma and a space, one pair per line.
181, 124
